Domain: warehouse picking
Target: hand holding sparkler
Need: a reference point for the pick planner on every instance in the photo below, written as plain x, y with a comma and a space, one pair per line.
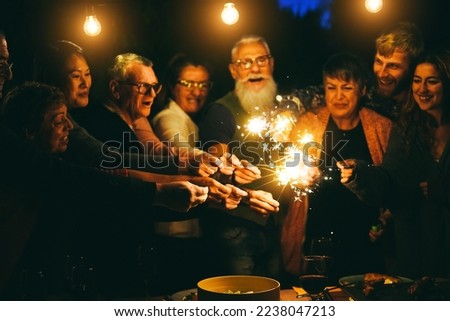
247, 173
262, 202
209, 164
347, 168
231, 162
235, 197
217, 192
232, 201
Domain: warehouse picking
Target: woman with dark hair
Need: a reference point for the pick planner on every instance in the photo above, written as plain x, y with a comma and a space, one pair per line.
64, 65
187, 83
343, 128
38, 194
38, 113
414, 178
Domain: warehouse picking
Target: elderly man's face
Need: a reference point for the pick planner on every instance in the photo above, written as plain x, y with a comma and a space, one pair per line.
252, 66
134, 99
5, 67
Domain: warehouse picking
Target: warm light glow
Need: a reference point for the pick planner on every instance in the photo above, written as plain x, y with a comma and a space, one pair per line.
92, 26
230, 15
374, 6
256, 125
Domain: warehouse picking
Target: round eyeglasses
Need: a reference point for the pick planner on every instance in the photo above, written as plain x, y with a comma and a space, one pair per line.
261, 61
143, 87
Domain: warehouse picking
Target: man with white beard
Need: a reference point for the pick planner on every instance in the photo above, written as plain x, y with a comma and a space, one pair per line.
247, 238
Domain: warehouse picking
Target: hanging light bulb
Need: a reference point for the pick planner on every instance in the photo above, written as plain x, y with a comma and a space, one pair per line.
230, 15
92, 26
374, 6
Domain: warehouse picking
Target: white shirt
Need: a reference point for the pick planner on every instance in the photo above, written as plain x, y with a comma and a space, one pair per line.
172, 124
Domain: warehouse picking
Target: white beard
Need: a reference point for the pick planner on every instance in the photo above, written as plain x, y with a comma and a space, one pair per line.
263, 99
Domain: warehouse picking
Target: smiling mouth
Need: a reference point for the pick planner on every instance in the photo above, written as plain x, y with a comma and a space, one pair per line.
425, 99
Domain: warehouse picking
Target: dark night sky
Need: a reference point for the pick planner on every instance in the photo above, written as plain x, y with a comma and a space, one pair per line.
159, 29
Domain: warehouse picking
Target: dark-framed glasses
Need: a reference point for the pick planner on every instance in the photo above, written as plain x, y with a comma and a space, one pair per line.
143, 87
190, 84
261, 61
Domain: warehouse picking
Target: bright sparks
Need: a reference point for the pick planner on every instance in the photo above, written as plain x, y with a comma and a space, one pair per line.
257, 125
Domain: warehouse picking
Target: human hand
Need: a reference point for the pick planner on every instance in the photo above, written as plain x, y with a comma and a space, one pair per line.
347, 168
262, 202
233, 200
216, 191
200, 163
247, 173
185, 194
231, 162
309, 178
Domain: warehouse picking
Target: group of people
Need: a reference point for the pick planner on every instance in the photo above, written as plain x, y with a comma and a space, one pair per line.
132, 160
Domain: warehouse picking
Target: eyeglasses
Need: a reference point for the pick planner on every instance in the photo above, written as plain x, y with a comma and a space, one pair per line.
143, 87
190, 84
261, 61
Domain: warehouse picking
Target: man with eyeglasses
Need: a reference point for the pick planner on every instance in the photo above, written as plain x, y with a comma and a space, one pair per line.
247, 237
121, 120
5, 67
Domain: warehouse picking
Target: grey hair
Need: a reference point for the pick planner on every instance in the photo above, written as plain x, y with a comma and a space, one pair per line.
246, 40
119, 67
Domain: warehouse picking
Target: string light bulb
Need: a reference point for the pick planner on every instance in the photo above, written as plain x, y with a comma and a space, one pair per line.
230, 15
374, 6
92, 26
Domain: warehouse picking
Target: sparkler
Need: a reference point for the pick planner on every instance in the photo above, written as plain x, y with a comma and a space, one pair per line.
292, 163
298, 168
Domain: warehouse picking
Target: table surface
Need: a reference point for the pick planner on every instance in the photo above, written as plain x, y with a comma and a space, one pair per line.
336, 294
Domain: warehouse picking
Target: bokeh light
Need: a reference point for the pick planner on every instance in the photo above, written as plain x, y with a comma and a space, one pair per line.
374, 6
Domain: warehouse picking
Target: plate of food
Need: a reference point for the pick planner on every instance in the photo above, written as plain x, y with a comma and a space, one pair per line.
376, 286
185, 295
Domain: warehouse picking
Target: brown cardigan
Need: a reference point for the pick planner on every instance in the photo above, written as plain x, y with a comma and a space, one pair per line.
376, 130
